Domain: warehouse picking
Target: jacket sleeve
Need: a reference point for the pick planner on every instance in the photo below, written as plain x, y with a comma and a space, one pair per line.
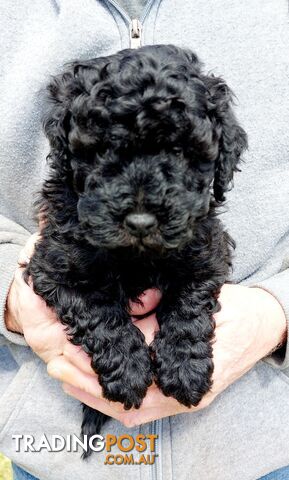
12, 239
278, 286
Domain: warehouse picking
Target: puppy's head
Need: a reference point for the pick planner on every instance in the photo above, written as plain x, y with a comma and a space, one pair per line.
143, 140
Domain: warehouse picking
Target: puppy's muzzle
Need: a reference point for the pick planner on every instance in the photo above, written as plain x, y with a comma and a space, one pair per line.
140, 224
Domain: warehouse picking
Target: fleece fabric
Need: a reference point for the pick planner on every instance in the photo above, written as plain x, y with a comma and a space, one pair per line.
133, 8
244, 433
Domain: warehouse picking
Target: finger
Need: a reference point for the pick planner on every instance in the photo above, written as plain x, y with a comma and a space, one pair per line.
148, 326
61, 369
156, 406
148, 301
23, 259
156, 411
100, 404
26, 290
18, 277
138, 417
155, 398
27, 251
19, 272
116, 409
78, 358
29, 298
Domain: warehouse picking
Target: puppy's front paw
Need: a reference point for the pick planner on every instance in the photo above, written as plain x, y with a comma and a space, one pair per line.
183, 368
119, 356
130, 388
123, 364
129, 381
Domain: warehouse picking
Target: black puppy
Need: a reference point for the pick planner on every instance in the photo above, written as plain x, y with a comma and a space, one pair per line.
143, 147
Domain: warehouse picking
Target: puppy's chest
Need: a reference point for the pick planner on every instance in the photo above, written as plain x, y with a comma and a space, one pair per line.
134, 275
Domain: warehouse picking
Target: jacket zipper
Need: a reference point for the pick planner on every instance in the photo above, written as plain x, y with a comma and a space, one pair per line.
135, 33
156, 468
135, 26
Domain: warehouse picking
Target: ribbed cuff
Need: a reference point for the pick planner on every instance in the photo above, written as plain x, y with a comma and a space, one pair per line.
9, 254
278, 286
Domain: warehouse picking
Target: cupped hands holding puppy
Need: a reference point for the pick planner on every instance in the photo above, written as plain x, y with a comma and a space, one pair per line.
250, 325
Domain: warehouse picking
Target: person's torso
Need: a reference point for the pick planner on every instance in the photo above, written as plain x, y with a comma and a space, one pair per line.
245, 42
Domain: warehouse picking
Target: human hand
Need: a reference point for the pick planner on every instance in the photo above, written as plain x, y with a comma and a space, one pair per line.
250, 324
28, 314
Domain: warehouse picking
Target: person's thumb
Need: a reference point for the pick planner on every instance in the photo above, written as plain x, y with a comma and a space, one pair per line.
148, 301
28, 249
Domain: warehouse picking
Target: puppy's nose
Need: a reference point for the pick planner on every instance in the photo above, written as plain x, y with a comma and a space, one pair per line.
140, 224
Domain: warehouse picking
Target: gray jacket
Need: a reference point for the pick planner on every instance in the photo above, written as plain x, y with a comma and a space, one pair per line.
244, 434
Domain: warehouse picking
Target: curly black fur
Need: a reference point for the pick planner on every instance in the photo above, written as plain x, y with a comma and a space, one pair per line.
138, 135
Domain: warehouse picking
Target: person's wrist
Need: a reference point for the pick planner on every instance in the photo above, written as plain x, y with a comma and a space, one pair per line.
273, 319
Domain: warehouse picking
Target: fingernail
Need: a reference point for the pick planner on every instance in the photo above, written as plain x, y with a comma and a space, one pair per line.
23, 261
54, 372
65, 388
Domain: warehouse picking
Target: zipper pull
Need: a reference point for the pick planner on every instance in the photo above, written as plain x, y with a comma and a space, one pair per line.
135, 33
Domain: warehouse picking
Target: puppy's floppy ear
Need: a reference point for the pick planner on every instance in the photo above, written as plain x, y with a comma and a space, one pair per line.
232, 137
56, 122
